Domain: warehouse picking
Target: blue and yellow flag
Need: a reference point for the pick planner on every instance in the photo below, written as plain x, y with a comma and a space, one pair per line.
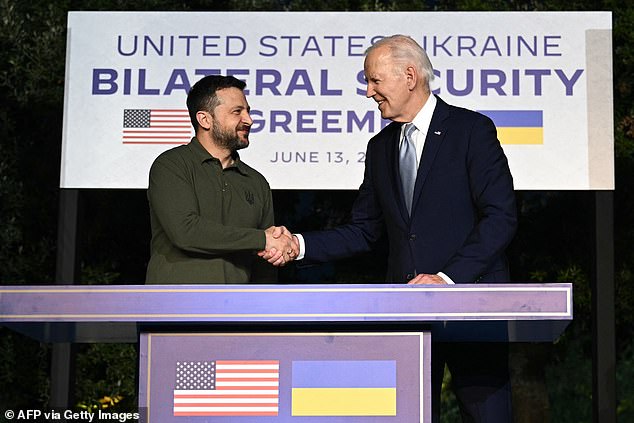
518, 126
344, 388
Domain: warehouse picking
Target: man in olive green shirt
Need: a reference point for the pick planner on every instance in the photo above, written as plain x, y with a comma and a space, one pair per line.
210, 212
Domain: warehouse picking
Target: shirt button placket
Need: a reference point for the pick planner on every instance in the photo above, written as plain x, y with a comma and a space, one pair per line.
223, 181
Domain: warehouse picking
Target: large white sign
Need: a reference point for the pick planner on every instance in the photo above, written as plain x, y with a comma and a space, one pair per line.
544, 78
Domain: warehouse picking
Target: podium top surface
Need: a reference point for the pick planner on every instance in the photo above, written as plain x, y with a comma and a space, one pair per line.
284, 303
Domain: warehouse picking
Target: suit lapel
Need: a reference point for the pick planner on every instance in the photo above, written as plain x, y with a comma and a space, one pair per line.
433, 140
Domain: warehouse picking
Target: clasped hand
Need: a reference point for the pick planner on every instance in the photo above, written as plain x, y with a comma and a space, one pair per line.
281, 247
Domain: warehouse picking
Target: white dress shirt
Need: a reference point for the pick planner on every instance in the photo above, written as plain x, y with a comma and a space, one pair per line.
421, 121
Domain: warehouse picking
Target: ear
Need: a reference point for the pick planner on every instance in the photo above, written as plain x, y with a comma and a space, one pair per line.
204, 119
412, 77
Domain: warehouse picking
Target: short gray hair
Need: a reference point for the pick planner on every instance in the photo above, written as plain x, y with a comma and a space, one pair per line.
404, 49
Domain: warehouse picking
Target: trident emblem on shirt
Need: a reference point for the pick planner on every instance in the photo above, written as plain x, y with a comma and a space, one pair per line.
248, 195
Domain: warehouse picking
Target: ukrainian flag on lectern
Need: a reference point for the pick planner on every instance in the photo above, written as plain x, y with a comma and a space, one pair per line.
344, 388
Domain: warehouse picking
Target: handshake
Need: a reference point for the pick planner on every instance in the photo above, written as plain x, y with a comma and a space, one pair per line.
281, 247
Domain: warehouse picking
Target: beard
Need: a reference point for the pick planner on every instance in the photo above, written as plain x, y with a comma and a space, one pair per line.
229, 138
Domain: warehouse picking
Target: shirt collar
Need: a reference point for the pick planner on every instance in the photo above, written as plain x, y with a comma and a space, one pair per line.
203, 155
199, 151
239, 164
422, 120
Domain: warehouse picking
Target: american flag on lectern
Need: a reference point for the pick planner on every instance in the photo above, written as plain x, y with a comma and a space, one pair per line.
156, 126
227, 388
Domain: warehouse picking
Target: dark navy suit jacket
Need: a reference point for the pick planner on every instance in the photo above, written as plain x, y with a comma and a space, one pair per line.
463, 215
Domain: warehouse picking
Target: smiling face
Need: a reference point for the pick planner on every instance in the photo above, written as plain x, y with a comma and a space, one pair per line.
231, 120
392, 84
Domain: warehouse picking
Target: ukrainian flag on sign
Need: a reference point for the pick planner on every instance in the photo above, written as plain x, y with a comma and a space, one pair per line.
518, 126
344, 388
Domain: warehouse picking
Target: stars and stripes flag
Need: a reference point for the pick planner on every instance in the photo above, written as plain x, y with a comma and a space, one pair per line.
156, 126
227, 388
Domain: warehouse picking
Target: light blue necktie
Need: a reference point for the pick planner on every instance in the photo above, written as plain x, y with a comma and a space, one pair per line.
407, 156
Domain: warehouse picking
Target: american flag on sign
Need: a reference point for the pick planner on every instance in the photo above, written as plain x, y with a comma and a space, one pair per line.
156, 126
227, 388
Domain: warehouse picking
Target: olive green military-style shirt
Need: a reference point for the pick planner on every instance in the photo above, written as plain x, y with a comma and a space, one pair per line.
207, 222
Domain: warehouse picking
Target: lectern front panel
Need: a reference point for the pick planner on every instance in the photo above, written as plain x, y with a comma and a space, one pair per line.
285, 377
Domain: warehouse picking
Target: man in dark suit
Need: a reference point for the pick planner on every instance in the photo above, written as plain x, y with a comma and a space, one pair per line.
438, 183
